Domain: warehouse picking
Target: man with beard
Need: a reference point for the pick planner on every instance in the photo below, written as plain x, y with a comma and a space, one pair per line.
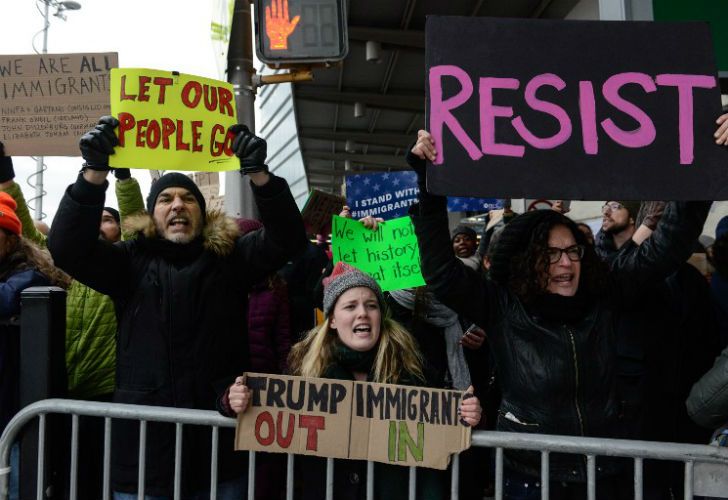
618, 227
180, 289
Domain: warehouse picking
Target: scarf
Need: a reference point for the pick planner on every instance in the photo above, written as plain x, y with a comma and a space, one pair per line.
559, 308
348, 361
441, 316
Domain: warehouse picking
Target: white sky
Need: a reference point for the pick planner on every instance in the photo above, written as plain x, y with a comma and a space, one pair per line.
158, 34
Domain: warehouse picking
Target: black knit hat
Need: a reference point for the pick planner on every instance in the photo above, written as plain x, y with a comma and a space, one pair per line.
174, 179
114, 213
463, 229
633, 207
515, 238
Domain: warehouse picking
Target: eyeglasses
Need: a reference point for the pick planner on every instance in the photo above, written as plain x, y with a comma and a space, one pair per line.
574, 253
611, 206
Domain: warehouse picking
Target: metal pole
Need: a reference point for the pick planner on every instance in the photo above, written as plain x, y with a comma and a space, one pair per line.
238, 195
39, 160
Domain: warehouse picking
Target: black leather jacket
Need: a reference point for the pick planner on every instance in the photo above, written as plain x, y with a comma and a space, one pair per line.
555, 378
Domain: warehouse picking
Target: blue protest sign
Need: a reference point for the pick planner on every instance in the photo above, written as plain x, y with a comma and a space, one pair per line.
389, 195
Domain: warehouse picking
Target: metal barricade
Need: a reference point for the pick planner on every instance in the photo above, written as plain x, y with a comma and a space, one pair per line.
691, 455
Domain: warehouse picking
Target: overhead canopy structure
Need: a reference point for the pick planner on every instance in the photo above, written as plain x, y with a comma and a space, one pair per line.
362, 115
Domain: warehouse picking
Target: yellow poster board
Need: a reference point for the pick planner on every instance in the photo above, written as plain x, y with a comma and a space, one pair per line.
172, 121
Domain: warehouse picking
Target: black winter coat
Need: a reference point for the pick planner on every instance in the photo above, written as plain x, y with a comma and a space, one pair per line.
181, 310
555, 378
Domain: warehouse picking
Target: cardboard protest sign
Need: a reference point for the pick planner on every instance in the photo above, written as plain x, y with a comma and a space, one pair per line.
390, 255
318, 210
48, 101
389, 195
172, 121
573, 110
392, 424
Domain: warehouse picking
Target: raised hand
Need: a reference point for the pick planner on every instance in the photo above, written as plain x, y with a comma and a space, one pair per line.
278, 26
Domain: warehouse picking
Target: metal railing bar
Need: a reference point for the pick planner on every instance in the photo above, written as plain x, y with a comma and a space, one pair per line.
178, 462
142, 459
329, 479
213, 463
455, 479
107, 459
73, 493
370, 480
499, 474
638, 479
251, 475
545, 472
289, 476
412, 483
689, 480
591, 477
39, 481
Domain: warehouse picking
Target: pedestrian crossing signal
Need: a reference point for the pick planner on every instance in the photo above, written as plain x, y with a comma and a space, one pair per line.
300, 31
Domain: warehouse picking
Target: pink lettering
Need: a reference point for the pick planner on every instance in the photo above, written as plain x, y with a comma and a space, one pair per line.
488, 114
440, 111
645, 134
546, 107
685, 84
588, 115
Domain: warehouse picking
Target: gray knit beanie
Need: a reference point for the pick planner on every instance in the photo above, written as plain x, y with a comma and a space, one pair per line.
344, 277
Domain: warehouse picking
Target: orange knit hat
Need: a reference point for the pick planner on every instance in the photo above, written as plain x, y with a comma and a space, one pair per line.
8, 219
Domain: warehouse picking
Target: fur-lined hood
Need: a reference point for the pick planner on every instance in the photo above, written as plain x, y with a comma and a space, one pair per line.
219, 233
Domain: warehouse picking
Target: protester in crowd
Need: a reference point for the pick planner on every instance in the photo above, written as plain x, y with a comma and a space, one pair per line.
719, 279
588, 234
358, 341
562, 206
465, 244
302, 275
496, 221
90, 322
22, 265
548, 311
180, 290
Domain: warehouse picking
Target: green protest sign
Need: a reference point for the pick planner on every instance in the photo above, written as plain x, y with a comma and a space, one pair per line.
390, 254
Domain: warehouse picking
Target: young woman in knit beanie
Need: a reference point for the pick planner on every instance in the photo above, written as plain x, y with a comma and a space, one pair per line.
548, 307
358, 341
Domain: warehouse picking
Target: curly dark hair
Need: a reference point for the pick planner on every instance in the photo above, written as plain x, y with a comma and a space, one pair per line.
23, 254
720, 255
528, 272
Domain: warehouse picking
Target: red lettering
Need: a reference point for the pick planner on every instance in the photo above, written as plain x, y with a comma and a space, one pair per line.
153, 134
215, 146
265, 418
126, 123
181, 144
196, 134
123, 95
168, 129
226, 98
144, 88
285, 441
210, 98
312, 424
194, 88
141, 126
163, 83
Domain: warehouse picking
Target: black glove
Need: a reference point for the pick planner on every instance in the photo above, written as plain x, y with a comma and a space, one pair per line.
650, 213
6, 165
251, 149
122, 174
97, 144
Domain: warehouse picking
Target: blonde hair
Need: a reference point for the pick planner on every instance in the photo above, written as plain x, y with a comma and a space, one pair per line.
397, 353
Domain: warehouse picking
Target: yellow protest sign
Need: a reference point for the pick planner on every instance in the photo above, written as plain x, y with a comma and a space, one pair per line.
172, 121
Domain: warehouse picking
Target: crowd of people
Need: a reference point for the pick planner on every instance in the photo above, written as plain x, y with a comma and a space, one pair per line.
544, 326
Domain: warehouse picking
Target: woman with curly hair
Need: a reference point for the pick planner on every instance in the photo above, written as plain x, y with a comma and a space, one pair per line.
358, 341
549, 307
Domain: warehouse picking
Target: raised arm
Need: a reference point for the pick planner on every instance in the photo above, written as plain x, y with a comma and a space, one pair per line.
74, 238
663, 252
129, 196
457, 286
283, 236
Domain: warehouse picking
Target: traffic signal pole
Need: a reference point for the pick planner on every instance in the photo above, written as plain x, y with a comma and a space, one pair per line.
238, 195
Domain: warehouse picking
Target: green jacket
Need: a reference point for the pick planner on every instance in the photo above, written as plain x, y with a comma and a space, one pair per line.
90, 315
